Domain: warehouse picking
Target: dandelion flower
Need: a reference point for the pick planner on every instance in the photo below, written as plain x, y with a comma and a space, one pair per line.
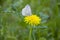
32, 20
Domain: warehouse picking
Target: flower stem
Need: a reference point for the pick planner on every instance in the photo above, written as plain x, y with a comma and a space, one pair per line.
30, 34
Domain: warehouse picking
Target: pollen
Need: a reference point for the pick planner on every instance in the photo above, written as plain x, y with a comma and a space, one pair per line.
32, 20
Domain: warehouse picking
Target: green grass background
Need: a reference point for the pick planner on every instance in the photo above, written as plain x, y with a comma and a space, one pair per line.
12, 26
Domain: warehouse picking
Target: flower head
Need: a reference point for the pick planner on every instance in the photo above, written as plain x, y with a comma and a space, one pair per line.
32, 20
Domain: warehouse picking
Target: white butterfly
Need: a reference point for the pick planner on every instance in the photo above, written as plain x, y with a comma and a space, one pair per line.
26, 11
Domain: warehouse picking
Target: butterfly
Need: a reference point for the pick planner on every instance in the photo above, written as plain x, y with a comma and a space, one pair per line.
26, 11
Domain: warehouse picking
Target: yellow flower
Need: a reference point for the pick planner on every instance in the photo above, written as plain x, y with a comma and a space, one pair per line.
32, 20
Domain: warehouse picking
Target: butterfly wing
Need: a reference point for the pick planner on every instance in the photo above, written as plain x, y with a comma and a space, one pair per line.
26, 11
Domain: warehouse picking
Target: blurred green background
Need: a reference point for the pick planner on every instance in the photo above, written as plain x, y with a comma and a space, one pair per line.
12, 26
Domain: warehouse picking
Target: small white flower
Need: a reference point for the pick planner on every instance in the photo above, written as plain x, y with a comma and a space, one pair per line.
26, 11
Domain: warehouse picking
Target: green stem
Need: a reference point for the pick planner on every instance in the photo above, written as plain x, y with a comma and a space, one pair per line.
30, 33
34, 34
